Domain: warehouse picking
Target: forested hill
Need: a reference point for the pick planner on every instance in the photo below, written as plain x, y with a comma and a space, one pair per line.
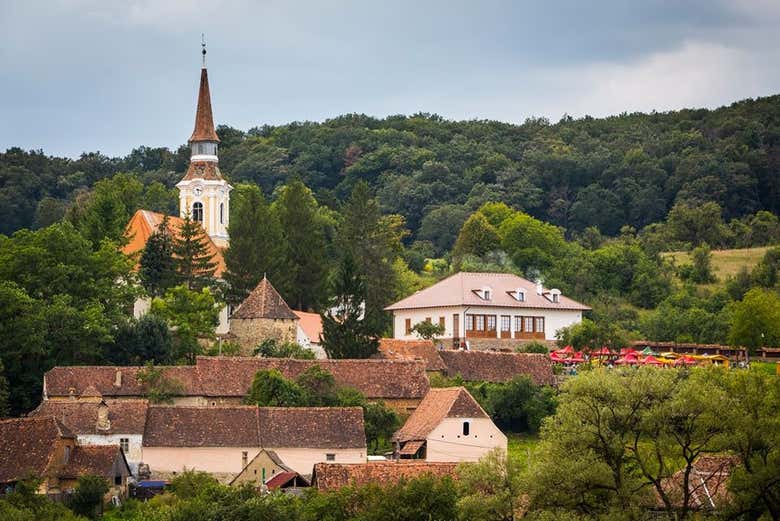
628, 169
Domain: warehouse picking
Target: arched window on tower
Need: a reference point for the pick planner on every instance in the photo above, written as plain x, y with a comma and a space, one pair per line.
221, 213
197, 212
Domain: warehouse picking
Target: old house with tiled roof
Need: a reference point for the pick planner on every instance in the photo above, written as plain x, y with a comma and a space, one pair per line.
482, 306
215, 381
309, 332
487, 366
263, 315
109, 422
448, 425
265, 465
333, 476
223, 440
44, 448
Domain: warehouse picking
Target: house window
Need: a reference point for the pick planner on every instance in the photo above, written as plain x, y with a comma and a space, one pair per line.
244, 458
221, 213
480, 322
67, 453
118, 480
518, 324
124, 444
263, 476
469, 322
441, 323
330, 457
197, 212
466, 428
528, 324
491, 322
539, 324
555, 297
520, 295
408, 326
505, 323
487, 294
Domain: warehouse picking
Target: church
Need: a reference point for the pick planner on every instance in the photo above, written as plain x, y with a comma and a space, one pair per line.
205, 195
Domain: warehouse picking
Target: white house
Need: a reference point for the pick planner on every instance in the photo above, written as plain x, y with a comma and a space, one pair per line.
448, 425
487, 305
309, 332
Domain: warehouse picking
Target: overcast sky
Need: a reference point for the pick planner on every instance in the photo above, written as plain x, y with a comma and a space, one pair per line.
86, 75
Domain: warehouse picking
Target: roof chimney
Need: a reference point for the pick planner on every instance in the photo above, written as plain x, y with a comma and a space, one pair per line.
539, 287
118, 379
103, 423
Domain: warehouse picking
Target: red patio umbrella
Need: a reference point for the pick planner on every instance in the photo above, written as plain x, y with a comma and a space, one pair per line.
629, 359
685, 360
651, 360
568, 350
628, 351
604, 351
577, 359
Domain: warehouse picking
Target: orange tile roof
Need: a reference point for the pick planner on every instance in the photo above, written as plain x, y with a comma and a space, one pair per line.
448, 402
27, 446
393, 349
94, 460
331, 476
204, 120
460, 290
311, 323
126, 416
144, 223
264, 302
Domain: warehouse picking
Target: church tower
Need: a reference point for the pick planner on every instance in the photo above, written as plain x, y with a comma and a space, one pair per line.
203, 193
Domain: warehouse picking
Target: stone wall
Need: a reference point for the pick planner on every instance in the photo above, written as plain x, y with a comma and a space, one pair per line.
249, 332
509, 344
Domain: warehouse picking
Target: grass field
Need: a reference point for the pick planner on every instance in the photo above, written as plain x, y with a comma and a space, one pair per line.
725, 263
520, 446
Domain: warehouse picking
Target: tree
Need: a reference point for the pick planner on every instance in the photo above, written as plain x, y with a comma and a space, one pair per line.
519, 405
380, 423
304, 236
491, 489
158, 387
194, 261
271, 348
319, 387
271, 389
191, 315
346, 332
142, 340
373, 242
440, 226
87, 499
696, 224
109, 208
700, 270
157, 264
4, 404
427, 330
476, 237
755, 321
256, 245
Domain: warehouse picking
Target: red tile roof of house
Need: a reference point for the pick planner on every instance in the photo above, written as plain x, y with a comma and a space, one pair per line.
94, 460
144, 223
27, 446
59, 381
264, 302
461, 289
126, 416
707, 483
493, 366
248, 426
393, 349
282, 479
311, 323
331, 476
438, 404
204, 120
376, 379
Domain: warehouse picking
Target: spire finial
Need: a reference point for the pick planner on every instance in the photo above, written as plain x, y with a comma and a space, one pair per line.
203, 48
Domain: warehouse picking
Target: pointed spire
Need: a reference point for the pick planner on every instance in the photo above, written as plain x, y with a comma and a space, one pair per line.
204, 121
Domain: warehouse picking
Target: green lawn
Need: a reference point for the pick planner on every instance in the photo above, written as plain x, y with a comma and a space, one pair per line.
521, 445
725, 263
764, 367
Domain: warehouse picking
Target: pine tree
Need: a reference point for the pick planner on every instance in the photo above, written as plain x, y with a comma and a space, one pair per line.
374, 242
157, 264
345, 331
256, 244
303, 230
194, 263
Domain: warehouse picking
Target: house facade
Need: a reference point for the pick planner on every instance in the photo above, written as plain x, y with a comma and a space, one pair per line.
223, 440
449, 425
495, 306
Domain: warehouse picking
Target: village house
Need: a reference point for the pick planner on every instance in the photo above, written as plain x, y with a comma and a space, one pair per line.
485, 366
263, 315
44, 448
309, 333
486, 308
215, 381
448, 425
333, 476
264, 466
223, 440
100, 422
204, 195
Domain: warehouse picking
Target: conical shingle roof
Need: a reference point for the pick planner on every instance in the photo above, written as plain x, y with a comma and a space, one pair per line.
264, 302
204, 121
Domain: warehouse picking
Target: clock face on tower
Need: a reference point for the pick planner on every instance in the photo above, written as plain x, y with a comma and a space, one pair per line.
197, 191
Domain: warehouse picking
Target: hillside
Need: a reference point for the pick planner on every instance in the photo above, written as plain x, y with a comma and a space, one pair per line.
629, 169
725, 263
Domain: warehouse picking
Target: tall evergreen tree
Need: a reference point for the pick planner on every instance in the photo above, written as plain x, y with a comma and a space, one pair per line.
346, 330
374, 242
303, 231
194, 262
256, 244
157, 264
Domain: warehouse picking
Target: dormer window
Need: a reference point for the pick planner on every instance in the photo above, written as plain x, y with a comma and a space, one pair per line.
555, 296
518, 294
486, 294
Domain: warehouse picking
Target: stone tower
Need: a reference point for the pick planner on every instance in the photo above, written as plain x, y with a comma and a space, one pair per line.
203, 193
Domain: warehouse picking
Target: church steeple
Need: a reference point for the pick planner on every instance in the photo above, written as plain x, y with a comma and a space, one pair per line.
203, 193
